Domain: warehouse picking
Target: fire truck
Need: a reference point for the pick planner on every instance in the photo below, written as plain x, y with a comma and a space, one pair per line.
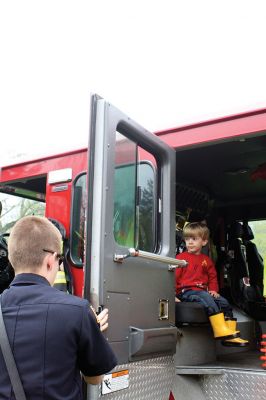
121, 204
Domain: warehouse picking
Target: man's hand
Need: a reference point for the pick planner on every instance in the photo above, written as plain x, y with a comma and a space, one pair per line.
177, 300
214, 294
103, 318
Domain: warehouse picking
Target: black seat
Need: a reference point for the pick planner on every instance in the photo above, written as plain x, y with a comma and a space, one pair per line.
239, 274
190, 313
245, 294
254, 259
6, 270
62, 230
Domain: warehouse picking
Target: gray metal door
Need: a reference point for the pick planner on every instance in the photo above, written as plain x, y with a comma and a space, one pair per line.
131, 233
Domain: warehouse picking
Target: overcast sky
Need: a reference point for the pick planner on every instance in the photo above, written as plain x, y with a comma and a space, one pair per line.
164, 63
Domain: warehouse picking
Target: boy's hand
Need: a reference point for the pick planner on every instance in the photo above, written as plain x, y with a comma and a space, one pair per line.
214, 294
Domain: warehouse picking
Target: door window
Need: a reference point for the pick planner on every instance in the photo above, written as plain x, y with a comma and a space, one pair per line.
135, 209
134, 195
78, 220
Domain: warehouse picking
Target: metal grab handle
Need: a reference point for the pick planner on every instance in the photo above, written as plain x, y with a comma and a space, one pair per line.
172, 262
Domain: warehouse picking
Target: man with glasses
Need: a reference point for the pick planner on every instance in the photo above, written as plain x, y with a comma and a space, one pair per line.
54, 336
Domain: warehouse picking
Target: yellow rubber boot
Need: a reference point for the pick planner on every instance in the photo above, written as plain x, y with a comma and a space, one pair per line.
231, 324
219, 327
237, 342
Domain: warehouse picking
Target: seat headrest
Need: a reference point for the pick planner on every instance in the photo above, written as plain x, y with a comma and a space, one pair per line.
236, 230
59, 226
247, 232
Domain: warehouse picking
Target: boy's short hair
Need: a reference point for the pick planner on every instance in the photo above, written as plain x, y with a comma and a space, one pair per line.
193, 229
29, 237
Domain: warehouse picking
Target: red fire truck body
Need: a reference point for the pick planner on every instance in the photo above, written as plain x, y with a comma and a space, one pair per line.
58, 204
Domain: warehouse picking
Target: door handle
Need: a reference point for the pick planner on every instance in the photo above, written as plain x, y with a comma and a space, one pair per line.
173, 263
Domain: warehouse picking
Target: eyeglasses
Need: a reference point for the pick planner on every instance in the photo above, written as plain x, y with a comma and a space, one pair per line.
60, 257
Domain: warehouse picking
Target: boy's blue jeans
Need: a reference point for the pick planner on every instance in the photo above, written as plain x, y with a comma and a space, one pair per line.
212, 305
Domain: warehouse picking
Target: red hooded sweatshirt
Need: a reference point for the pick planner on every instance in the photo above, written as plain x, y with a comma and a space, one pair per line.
199, 274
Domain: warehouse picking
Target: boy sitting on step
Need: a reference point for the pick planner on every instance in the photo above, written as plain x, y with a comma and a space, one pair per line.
198, 283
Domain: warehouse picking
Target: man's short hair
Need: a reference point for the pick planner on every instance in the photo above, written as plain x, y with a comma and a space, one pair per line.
193, 229
29, 237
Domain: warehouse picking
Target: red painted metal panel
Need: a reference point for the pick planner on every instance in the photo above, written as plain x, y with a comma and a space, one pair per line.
77, 160
216, 130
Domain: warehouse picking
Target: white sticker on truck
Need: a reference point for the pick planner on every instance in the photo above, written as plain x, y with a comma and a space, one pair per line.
116, 381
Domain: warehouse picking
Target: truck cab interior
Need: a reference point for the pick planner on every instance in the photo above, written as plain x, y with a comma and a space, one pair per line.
224, 183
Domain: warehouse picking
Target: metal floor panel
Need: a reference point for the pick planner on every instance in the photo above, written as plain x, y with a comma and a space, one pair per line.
148, 380
237, 376
245, 361
235, 385
248, 360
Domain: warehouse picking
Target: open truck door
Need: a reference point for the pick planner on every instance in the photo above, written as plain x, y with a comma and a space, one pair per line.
130, 250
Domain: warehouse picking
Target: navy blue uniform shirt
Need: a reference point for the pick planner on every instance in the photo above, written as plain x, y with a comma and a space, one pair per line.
53, 336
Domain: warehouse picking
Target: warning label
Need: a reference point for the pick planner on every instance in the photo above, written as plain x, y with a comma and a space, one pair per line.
116, 381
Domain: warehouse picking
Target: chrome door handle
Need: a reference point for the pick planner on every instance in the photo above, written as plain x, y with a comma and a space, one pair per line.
173, 263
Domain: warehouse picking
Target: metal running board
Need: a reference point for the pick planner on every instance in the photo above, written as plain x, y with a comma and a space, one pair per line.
199, 371
247, 361
234, 385
219, 384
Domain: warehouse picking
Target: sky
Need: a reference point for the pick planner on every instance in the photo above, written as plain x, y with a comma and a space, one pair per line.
164, 63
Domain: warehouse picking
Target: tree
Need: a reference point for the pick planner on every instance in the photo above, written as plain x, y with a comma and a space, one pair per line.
14, 208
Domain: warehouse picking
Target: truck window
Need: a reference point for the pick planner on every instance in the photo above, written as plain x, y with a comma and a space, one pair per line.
15, 207
134, 195
134, 205
134, 201
259, 231
78, 220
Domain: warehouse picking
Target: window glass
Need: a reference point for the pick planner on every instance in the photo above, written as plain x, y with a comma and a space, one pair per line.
134, 201
259, 231
146, 204
125, 191
14, 207
134, 195
78, 220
